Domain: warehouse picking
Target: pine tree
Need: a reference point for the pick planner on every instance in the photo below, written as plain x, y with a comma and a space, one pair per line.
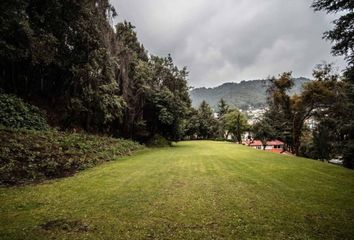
207, 122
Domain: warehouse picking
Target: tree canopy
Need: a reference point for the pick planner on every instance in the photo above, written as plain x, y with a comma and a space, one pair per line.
342, 37
236, 123
67, 56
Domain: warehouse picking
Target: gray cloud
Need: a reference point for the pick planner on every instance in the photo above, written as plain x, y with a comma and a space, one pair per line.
232, 40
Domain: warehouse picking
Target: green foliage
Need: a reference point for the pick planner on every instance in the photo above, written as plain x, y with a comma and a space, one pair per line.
281, 113
342, 33
59, 50
28, 156
236, 123
323, 100
192, 124
287, 114
94, 76
15, 113
154, 89
170, 112
207, 123
342, 38
348, 153
202, 124
158, 141
126, 34
322, 142
264, 131
223, 108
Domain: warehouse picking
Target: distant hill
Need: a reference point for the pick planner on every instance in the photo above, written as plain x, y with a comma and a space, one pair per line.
241, 95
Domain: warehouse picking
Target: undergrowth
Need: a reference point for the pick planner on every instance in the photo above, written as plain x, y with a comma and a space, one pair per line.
15, 113
33, 156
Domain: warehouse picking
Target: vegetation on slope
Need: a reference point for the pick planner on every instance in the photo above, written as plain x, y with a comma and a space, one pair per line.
15, 113
91, 75
32, 156
194, 190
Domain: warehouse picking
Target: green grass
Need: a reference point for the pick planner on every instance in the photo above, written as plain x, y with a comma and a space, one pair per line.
194, 190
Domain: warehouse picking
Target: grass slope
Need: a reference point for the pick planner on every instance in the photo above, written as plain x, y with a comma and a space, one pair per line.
195, 190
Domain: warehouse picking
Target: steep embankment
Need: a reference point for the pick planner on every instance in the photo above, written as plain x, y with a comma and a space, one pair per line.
31, 151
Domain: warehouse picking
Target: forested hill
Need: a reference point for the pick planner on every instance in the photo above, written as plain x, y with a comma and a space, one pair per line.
241, 95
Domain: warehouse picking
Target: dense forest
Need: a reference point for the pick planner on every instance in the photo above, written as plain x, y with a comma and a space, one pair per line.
67, 58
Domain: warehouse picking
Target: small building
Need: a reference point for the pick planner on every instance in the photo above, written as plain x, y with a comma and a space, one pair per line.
272, 146
257, 144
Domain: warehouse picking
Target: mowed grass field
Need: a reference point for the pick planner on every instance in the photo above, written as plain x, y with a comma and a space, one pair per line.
194, 190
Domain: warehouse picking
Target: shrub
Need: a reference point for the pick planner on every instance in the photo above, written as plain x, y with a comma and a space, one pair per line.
15, 113
158, 141
32, 156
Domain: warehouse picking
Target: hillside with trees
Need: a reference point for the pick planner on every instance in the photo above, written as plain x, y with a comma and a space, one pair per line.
66, 57
242, 95
70, 81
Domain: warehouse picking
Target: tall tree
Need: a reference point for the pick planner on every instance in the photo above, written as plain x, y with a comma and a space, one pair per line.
342, 37
223, 108
263, 131
192, 124
62, 59
280, 113
235, 123
207, 122
343, 32
287, 114
67, 56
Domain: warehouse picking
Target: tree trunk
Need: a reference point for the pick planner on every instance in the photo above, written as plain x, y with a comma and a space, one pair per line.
239, 138
297, 143
14, 87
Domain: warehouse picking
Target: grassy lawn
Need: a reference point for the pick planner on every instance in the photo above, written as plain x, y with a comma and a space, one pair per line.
194, 190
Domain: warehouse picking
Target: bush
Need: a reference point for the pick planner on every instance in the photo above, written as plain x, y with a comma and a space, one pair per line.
15, 113
158, 141
32, 156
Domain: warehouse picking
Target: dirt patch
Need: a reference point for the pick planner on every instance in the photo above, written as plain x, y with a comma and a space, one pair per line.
66, 225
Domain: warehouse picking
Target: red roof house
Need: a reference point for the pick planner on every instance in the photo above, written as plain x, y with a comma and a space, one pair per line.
255, 143
272, 146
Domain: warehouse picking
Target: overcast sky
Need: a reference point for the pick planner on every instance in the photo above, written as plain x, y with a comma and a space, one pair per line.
232, 40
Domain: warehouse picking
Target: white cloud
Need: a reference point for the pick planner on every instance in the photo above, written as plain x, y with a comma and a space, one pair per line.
232, 40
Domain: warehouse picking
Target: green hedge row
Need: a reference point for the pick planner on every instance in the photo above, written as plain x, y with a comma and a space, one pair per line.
32, 156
